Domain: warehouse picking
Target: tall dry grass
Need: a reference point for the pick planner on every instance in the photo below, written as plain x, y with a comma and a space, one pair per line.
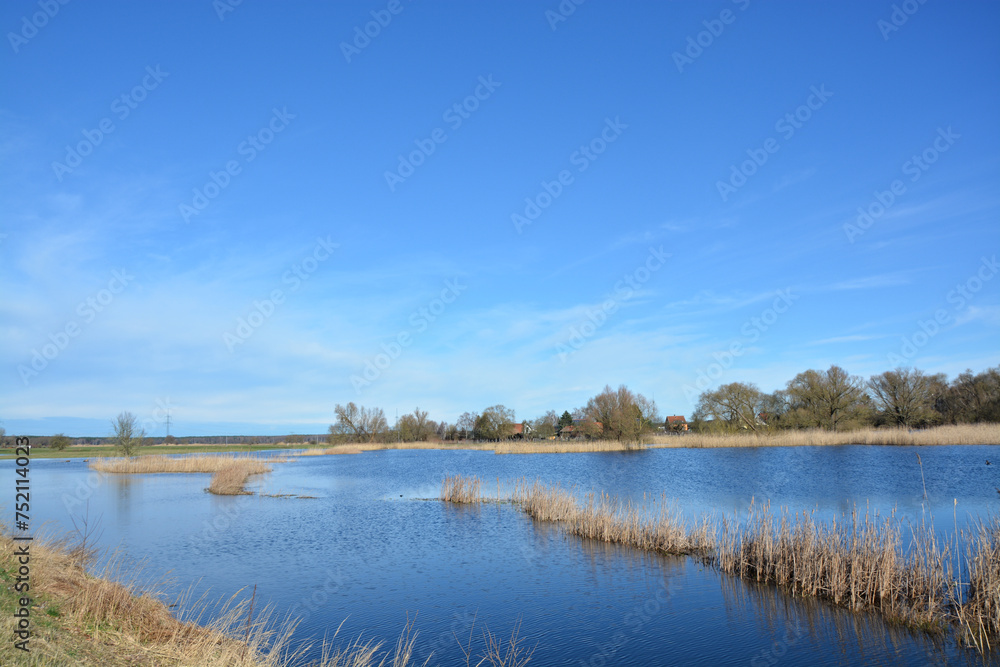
961, 434
316, 451
358, 447
460, 489
231, 480
980, 611
561, 446
655, 526
861, 563
231, 472
183, 464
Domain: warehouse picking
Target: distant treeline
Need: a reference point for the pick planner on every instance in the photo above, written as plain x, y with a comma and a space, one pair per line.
47, 440
836, 400
832, 399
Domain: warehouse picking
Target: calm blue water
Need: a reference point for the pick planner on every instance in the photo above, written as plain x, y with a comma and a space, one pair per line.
374, 546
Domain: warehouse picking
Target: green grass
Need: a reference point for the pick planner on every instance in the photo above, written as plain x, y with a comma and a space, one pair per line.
97, 451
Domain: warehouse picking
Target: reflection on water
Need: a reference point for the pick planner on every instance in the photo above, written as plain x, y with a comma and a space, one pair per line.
786, 623
370, 548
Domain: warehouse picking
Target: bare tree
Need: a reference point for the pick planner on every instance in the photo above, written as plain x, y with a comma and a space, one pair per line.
972, 398
904, 396
467, 424
623, 414
359, 423
830, 399
737, 404
415, 427
128, 436
496, 423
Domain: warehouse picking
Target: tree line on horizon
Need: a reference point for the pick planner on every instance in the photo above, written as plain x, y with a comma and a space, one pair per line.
836, 400
832, 399
618, 414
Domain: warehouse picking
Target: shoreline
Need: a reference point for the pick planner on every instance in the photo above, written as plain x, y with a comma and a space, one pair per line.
961, 434
82, 618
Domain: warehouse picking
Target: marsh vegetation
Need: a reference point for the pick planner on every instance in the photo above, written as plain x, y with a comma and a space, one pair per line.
862, 562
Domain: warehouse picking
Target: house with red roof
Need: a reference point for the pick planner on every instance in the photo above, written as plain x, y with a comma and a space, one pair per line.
676, 423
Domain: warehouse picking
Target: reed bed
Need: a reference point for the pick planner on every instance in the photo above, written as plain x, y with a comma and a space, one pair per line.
460, 489
858, 564
188, 464
864, 562
562, 446
961, 434
654, 526
379, 446
230, 472
331, 450
980, 611
231, 480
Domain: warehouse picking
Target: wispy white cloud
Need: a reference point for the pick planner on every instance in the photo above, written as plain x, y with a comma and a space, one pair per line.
872, 282
845, 339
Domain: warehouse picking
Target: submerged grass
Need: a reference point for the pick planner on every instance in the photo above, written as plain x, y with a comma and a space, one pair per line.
79, 618
860, 563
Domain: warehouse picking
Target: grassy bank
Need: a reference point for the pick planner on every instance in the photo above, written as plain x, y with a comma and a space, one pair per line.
78, 618
230, 472
860, 563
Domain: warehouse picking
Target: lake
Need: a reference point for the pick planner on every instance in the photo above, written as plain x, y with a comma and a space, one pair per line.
375, 546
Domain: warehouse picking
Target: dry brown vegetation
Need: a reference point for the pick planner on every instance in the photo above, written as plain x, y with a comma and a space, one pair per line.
82, 619
962, 434
331, 450
358, 447
561, 446
231, 472
460, 489
862, 563
154, 464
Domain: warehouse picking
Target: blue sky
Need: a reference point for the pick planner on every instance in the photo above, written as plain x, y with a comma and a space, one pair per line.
233, 214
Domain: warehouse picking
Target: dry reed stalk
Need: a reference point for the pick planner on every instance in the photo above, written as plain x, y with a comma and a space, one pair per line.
979, 613
656, 527
460, 489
